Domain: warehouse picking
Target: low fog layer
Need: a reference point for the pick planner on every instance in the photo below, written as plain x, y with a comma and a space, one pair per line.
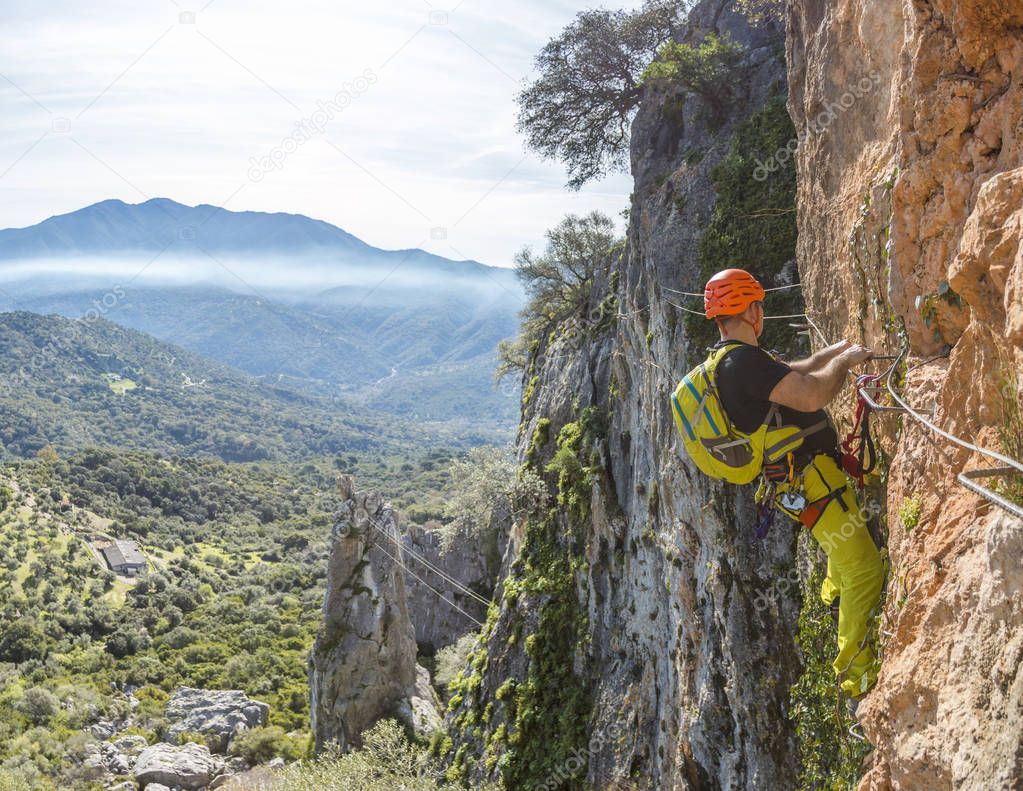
272, 277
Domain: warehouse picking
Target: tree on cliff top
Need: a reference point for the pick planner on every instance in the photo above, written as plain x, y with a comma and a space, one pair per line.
579, 108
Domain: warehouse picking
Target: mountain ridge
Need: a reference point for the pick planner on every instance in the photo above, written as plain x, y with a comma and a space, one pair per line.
74, 384
115, 226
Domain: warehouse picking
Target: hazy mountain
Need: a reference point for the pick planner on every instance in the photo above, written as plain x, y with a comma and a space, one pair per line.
282, 296
115, 227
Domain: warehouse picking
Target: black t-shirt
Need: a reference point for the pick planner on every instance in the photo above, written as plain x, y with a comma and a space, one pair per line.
745, 378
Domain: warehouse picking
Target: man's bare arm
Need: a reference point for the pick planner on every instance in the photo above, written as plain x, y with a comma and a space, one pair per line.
816, 362
808, 392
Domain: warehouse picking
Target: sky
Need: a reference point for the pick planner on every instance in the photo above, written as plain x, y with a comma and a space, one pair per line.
393, 120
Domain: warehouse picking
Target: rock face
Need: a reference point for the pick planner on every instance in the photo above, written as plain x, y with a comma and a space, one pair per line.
364, 658
421, 709
189, 766
437, 623
910, 212
631, 650
220, 714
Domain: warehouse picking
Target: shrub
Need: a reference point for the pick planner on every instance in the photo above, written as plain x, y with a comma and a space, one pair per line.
909, 512
38, 704
10, 781
387, 761
706, 70
451, 660
259, 745
485, 483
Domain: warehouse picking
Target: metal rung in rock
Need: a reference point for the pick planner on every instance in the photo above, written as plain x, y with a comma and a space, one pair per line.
968, 478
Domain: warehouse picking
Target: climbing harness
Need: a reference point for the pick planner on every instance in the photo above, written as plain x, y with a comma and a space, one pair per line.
812, 512
790, 496
859, 456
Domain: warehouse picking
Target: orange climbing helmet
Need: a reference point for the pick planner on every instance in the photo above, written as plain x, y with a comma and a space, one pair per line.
730, 292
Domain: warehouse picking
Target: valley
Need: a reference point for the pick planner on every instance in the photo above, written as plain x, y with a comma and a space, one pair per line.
210, 281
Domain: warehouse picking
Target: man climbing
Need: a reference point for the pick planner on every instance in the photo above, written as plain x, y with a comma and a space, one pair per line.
781, 407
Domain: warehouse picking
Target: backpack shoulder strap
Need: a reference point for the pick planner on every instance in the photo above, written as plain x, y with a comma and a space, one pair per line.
717, 355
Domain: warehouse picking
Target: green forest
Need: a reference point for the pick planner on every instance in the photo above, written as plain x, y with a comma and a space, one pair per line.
238, 554
226, 484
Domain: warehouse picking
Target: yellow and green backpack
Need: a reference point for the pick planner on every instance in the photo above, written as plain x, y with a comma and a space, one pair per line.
717, 447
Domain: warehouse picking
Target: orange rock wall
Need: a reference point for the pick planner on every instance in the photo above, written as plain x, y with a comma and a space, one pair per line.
910, 210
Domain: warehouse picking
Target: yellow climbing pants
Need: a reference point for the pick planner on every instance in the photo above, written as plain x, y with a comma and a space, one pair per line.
855, 572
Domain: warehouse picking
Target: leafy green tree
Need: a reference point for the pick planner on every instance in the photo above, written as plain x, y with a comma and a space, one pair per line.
706, 70
559, 282
579, 108
22, 640
127, 640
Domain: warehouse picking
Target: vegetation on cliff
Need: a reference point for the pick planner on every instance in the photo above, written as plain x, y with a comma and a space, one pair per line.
753, 223
534, 727
559, 282
705, 69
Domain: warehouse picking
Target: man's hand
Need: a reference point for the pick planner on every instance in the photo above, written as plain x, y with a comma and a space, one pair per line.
816, 362
856, 354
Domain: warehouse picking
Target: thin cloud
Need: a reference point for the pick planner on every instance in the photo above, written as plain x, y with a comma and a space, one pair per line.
178, 108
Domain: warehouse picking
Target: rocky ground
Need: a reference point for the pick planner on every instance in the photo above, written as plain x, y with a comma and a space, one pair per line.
124, 762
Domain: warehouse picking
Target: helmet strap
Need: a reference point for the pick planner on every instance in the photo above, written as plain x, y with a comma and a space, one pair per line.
724, 330
756, 329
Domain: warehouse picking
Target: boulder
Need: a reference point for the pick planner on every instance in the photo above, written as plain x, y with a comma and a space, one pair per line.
157, 787
108, 757
189, 766
218, 713
130, 745
103, 729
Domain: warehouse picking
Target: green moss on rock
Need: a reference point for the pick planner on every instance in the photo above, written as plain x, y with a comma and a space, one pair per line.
753, 225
